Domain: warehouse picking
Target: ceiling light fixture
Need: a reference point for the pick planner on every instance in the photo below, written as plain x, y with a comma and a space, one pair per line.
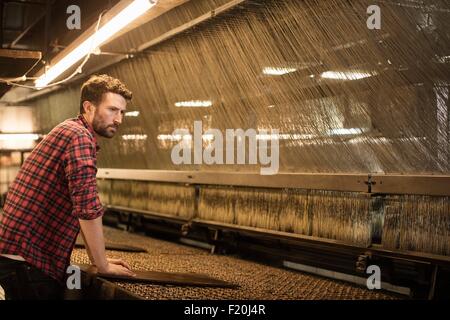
117, 23
131, 114
346, 131
134, 137
277, 71
194, 103
346, 75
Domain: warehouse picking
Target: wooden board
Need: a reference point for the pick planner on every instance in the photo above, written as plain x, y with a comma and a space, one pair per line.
115, 246
20, 54
15, 63
163, 278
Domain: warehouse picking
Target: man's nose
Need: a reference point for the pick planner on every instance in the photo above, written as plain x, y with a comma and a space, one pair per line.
118, 120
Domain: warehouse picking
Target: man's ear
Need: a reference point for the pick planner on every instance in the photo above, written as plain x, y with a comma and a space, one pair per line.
88, 106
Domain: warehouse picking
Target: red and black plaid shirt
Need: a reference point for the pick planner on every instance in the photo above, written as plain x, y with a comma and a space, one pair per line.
55, 187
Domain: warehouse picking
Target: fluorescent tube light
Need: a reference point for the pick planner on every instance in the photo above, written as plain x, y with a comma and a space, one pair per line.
277, 71
178, 137
347, 75
131, 114
123, 18
134, 137
170, 137
345, 131
284, 136
193, 103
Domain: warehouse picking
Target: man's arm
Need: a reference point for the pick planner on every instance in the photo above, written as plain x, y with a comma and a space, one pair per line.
92, 232
87, 247
80, 170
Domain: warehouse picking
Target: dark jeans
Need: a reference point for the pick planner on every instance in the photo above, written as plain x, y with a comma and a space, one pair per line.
22, 281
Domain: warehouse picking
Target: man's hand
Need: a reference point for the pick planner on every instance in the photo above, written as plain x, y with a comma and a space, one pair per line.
93, 234
117, 267
119, 262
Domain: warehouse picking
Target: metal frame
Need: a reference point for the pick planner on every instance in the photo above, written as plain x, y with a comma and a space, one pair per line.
436, 185
406, 268
374, 249
28, 28
340, 182
148, 214
211, 14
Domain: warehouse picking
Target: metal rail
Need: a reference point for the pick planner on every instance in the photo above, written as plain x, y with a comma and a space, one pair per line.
341, 182
436, 185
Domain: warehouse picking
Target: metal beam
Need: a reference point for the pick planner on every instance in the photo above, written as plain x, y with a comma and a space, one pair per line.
435, 185
24, 32
339, 182
149, 214
190, 24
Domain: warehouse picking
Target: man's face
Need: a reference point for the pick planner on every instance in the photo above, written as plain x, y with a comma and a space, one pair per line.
108, 114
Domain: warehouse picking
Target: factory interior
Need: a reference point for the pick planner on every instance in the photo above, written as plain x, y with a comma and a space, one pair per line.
338, 185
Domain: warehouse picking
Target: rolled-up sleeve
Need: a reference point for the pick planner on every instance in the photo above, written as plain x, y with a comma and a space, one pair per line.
81, 170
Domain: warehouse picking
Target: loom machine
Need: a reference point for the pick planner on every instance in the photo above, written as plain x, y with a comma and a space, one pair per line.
363, 120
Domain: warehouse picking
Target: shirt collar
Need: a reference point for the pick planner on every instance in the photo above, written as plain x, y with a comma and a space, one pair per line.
91, 130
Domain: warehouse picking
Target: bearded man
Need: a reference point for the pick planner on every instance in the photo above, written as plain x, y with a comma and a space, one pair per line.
54, 197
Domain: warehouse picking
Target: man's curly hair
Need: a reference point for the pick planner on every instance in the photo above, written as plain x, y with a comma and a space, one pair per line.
94, 88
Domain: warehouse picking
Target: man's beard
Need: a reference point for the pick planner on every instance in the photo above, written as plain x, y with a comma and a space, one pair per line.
103, 130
